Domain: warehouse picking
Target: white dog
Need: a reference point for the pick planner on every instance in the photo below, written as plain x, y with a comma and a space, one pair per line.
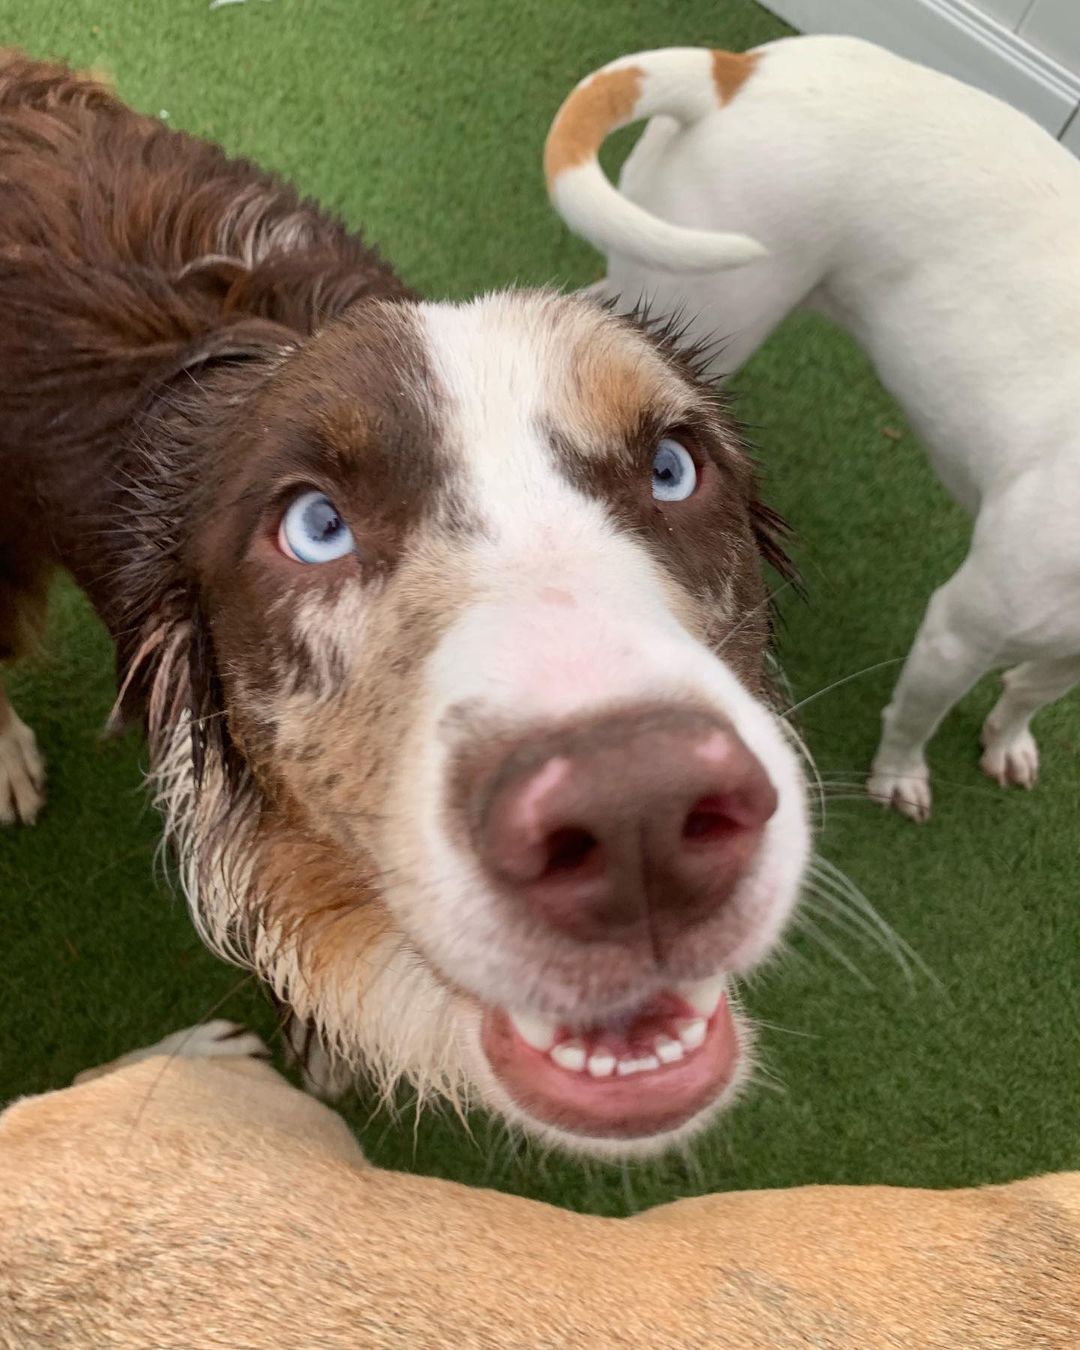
941, 228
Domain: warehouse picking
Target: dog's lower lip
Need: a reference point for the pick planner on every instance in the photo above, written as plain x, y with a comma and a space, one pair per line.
647, 1077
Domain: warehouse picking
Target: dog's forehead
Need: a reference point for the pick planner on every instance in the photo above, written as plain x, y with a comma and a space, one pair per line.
366, 368
514, 367
502, 382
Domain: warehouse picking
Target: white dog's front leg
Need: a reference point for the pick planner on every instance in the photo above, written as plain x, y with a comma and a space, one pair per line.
950, 653
1011, 755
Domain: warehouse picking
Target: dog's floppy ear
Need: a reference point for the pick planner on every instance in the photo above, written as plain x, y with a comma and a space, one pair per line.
247, 340
166, 664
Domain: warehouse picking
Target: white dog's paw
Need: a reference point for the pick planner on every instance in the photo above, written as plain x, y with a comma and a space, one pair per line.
210, 1040
1009, 760
324, 1075
22, 774
904, 790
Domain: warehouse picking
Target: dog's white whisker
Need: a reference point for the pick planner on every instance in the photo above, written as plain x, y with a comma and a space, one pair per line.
787, 1031
761, 1078
805, 923
823, 871
850, 923
808, 760
839, 684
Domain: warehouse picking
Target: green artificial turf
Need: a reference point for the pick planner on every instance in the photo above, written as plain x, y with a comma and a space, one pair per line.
423, 120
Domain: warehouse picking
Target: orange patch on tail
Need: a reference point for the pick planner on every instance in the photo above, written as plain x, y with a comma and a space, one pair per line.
730, 71
587, 116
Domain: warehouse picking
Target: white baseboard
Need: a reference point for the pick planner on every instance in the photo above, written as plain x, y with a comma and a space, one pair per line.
954, 37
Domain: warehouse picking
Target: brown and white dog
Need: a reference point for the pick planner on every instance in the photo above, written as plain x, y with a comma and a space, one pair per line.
200, 1200
447, 622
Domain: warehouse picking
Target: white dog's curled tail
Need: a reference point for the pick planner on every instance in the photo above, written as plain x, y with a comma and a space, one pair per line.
681, 82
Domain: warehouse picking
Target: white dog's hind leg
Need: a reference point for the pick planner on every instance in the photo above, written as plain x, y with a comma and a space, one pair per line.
954, 647
1010, 754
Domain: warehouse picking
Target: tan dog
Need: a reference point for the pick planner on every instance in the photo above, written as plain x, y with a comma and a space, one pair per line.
188, 1202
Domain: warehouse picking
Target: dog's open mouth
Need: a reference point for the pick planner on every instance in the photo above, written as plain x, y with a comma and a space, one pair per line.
642, 1074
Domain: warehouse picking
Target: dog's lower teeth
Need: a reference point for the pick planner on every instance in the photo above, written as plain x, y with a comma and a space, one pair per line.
570, 1055
691, 1032
576, 1056
601, 1065
669, 1051
642, 1065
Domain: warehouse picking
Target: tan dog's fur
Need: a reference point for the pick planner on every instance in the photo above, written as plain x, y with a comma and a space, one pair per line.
205, 1203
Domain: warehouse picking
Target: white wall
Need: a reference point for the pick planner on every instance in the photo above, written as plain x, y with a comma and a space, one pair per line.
1054, 27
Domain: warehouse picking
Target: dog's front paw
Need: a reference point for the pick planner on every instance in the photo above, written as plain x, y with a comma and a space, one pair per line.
22, 774
1009, 760
905, 790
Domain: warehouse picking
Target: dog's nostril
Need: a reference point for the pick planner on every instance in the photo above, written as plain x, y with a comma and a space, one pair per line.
709, 820
571, 850
632, 829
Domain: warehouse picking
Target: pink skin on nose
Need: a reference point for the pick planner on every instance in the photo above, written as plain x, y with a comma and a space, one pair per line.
554, 595
528, 814
716, 750
562, 655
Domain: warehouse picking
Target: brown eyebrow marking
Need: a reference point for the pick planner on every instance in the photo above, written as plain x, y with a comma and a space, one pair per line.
344, 431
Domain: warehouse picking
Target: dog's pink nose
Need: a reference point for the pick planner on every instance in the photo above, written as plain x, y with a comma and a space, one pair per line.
637, 826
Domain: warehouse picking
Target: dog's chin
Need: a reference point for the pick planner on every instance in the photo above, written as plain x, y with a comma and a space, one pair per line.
629, 1086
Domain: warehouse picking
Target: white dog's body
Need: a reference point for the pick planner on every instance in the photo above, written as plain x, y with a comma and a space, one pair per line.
941, 228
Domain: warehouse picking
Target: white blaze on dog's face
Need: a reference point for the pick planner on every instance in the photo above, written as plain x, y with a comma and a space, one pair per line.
492, 642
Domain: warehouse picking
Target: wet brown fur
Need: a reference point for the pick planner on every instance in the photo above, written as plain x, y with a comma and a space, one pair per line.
130, 254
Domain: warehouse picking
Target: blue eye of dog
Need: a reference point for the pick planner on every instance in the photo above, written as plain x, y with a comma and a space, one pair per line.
674, 473
312, 530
